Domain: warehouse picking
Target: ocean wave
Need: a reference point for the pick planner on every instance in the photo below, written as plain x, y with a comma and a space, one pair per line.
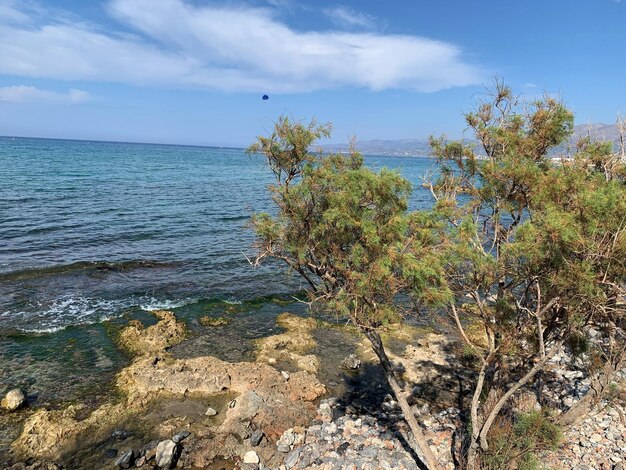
50, 317
74, 310
154, 304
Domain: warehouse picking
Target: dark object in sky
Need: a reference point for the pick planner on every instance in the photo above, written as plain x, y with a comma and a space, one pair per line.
265, 98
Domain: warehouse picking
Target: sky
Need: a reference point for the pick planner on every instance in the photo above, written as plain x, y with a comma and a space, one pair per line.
194, 71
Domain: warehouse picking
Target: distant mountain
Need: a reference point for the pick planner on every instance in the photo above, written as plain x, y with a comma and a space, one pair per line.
419, 147
600, 131
401, 147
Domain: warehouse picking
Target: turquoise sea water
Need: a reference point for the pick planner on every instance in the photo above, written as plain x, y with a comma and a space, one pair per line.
95, 233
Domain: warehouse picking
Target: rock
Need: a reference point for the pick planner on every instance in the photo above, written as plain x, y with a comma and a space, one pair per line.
179, 436
13, 400
573, 374
210, 321
149, 450
120, 434
285, 374
210, 411
256, 437
110, 453
283, 448
288, 438
126, 459
292, 458
325, 412
251, 457
156, 338
166, 453
351, 362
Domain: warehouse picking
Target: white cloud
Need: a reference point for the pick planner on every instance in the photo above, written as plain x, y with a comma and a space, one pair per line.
177, 44
23, 94
344, 16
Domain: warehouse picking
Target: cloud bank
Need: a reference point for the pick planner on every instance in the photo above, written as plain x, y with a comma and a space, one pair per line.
173, 43
25, 94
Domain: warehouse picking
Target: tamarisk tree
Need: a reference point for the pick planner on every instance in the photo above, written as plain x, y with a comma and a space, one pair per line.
345, 229
536, 250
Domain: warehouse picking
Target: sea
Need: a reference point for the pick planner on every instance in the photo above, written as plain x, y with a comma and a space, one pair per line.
94, 234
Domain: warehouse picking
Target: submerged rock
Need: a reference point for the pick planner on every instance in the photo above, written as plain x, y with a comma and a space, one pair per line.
156, 338
291, 345
212, 321
351, 362
13, 400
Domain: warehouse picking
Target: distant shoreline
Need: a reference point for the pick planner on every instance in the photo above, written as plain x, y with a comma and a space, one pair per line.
59, 139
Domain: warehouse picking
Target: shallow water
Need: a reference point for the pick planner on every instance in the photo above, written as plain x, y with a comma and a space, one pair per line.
93, 234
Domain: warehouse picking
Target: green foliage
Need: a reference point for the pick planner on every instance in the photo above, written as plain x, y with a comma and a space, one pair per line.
515, 443
345, 229
535, 249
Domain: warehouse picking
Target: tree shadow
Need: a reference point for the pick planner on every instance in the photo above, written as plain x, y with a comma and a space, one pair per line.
367, 391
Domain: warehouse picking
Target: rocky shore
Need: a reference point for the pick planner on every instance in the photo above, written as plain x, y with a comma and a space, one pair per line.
288, 409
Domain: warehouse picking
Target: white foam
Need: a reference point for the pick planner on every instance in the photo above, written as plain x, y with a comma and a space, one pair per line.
154, 304
73, 310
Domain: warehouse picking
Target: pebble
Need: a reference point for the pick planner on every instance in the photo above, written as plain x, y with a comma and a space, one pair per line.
251, 457
126, 459
325, 412
179, 436
256, 437
210, 411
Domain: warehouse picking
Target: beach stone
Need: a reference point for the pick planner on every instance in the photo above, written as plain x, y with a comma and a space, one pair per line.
126, 459
120, 434
13, 400
211, 411
351, 362
292, 458
149, 450
283, 448
179, 436
256, 437
325, 412
165, 453
251, 457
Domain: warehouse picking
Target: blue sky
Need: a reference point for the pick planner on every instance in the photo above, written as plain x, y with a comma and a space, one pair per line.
194, 71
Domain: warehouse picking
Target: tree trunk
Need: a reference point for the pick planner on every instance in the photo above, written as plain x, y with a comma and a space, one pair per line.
420, 446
